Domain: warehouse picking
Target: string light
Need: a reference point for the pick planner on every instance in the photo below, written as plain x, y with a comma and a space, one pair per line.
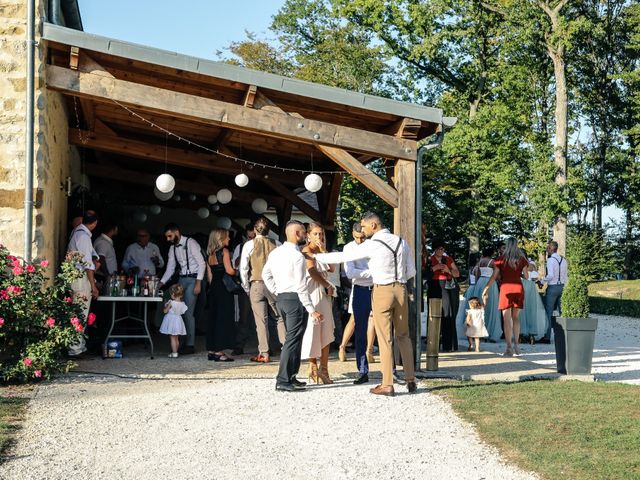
225, 155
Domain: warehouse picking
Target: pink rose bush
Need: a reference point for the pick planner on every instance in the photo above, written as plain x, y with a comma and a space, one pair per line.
34, 337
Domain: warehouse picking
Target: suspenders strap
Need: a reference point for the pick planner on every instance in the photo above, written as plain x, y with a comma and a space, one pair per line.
395, 254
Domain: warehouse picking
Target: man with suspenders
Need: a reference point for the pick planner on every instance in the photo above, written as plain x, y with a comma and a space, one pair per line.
391, 265
557, 274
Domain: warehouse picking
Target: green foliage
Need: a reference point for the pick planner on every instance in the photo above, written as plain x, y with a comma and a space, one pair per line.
590, 256
575, 298
38, 321
614, 306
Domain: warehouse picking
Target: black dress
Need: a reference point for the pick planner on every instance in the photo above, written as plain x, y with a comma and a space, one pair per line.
221, 325
450, 304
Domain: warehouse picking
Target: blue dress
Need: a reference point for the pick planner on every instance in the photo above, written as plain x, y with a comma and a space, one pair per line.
533, 319
492, 316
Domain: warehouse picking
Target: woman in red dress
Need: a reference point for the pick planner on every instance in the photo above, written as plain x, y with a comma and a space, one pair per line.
510, 267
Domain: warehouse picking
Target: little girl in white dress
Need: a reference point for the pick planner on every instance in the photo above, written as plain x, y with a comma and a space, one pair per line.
172, 323
475, 323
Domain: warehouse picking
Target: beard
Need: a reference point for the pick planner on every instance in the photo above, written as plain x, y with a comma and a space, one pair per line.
176, 240
301, 242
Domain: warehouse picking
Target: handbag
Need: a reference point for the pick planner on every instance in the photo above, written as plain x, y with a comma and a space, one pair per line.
232, 284
450, 284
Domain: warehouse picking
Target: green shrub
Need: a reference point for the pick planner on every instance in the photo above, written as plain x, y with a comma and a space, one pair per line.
615, 306
575, 298
38, 319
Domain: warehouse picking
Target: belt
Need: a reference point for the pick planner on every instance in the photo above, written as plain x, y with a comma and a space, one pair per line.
387, 284
189, 275
370, 287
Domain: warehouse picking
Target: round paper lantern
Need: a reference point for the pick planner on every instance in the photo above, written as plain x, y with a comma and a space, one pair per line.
165, 183
259, 205
155, 209
177, 198
203, 212
162, 196
215, 208
212, 199
224, 222
140, 217
224, 196
242, 180
313, 182
192, 197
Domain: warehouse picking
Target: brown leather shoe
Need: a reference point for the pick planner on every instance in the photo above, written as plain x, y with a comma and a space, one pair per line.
412, 387
261, 359
382, 390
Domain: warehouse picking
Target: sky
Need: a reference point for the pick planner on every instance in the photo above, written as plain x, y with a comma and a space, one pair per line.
193, 27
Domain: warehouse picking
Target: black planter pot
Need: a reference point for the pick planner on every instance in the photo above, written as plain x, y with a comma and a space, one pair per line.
574, 340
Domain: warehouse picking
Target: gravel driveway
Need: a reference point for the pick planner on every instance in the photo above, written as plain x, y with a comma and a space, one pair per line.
104, 427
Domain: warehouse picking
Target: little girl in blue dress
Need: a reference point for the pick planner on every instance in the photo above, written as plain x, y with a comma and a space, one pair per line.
172, 323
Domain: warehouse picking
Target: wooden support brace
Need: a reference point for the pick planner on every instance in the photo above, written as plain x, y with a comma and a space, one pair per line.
74, 55
290, 196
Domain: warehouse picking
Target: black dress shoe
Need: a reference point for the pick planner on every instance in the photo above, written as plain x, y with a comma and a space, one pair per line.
364, 378
287, 387
412, 387
297, 383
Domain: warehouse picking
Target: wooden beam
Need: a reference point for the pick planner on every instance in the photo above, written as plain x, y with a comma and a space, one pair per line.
404, 216
250, 96
290, 196
209, 111
404, 128
332, 198
222, 138
368, 178
284, 215
159, 153
74, 55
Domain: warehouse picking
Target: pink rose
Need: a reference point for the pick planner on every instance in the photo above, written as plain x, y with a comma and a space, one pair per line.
15, 290
27, 362
17, 270
31, 269
91, 318
51, 322
79, 328
1, 321
75, 321
44, 263
37, 373
4, 295
68, 299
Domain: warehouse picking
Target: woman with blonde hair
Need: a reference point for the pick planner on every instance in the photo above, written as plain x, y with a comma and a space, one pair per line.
318, 336
510, 267
221, 328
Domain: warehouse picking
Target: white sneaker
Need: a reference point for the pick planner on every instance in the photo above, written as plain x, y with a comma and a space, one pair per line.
173, 355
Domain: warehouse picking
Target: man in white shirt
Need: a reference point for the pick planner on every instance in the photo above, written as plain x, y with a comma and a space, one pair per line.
557, 275
142, 256
85, 287
254, 256
103, 246
391, 265
284, 276
361, 287
185, 258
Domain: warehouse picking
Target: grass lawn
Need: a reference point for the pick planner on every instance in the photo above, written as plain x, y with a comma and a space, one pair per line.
623, 289
557, 429
12, 411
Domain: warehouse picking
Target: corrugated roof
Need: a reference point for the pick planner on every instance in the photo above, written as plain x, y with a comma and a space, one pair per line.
238, 74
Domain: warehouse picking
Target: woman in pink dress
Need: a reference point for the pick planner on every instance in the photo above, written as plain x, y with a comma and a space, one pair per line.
510, 267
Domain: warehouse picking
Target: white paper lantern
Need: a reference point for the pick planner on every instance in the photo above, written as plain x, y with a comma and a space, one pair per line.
313, 182
192, 197
155, 209
203, 212
215, 208
165, 183
162, 196
177, 198
224, 196
259, 205
140, 217
224, 222
242, 180
212, 199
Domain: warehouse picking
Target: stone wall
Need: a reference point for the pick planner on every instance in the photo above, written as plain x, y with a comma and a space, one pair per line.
53, 155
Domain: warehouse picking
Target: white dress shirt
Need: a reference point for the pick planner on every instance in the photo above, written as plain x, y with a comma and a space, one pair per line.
103, 246
557, 271
245, 255
357, 270
80, 241
196, 263
138, 256
285, 272
381, 262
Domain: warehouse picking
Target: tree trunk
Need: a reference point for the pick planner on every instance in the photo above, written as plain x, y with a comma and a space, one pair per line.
560, 151
628, 241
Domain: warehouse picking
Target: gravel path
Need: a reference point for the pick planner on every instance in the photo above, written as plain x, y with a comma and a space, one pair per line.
235, 429
616, 356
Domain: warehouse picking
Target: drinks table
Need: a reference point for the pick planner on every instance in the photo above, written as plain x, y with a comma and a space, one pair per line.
128, 301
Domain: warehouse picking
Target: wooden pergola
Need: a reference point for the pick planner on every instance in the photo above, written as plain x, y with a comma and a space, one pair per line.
122, 97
